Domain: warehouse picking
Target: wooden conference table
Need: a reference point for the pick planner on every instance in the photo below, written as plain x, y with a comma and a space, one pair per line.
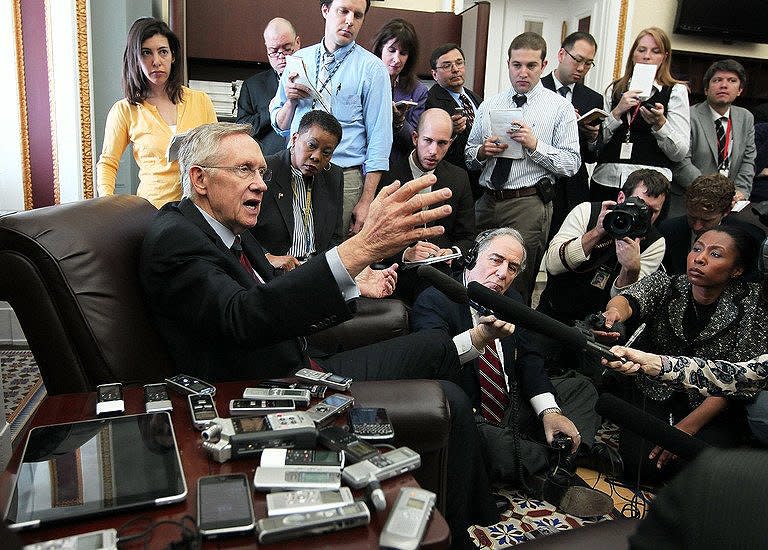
73, 407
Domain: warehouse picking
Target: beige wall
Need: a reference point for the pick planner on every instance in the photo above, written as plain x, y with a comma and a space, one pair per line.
420, 5
661, 13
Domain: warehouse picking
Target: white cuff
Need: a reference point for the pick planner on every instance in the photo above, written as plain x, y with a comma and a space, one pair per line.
543, 401
467, 352
347, 285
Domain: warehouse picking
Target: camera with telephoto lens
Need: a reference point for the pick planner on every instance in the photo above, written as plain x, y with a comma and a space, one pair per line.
631, 218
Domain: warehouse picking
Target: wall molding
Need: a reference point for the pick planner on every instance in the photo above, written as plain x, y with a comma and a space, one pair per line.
620, 37
26, 163
84, 80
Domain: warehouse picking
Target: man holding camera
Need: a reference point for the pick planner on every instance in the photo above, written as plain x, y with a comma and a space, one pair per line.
589, 261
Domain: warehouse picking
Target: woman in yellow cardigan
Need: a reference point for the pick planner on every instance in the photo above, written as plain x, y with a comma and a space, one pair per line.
155, 107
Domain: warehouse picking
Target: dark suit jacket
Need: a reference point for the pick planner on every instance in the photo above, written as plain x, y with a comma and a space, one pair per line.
433, 309
218, 322
274, 230
584, 99
677, 235
440, 98
460, 224
253, 108
702, 155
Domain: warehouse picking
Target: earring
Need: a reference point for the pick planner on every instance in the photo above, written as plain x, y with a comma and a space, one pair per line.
327, 167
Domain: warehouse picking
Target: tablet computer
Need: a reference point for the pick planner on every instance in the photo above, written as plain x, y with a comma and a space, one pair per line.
80, 469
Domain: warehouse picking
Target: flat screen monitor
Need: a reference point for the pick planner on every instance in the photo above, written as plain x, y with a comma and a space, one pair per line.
740, 20
82, 469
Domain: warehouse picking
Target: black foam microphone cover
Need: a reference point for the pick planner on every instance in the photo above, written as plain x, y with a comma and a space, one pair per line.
649, 427
520, 314
446, 284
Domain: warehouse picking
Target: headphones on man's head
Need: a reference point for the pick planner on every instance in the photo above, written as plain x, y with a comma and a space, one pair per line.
468, 260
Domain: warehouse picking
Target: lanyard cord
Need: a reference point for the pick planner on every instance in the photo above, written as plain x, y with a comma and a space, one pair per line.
333, 72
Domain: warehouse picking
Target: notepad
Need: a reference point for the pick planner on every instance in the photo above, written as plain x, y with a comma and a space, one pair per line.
643, 78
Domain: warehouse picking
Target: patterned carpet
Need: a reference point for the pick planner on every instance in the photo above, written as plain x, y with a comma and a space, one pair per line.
529, 518
22, 385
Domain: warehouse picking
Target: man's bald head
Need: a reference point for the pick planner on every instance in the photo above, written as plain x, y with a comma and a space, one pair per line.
432, 138
281, 39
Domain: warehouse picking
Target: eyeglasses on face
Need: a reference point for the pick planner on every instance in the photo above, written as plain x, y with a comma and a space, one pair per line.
280, 52
586, 63
448, 65
244, 171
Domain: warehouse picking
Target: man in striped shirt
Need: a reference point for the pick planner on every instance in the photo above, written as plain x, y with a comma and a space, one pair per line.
533, 139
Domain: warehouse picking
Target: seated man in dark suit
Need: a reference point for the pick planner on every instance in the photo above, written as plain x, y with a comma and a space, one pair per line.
224, 315
708, 199
280, 39
501, 366
303, 203
432, 139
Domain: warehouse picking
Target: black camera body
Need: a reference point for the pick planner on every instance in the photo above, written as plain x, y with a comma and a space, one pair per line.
631, 218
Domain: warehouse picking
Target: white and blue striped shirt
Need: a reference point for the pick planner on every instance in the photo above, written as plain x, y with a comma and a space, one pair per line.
553, 121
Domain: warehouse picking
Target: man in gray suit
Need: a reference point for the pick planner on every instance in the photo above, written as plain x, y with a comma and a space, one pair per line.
722, 135
280, 39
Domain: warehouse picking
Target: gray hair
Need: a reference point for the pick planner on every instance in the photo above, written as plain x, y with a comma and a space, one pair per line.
484, 241
201, 147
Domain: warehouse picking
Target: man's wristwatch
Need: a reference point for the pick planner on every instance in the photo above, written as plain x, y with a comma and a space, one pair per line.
549, 410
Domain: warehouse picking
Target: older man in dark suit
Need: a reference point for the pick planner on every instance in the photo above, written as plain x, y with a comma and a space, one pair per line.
575, 58
280, 39
518, 409
224, 315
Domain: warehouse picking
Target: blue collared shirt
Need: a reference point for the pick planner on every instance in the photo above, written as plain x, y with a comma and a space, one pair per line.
362, 103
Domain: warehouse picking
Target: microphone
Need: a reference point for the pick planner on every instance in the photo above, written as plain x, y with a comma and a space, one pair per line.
453, 289
649, 427
514, 312
446, 284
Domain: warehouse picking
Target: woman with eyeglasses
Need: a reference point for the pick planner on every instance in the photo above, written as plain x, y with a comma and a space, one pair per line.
642, 132
156, 106
397, 44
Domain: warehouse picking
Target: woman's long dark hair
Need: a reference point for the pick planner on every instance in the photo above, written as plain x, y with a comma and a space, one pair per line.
135, 84
405, 36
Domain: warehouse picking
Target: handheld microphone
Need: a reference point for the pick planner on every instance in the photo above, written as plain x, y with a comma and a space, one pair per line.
453, 289
520, 314
649, 427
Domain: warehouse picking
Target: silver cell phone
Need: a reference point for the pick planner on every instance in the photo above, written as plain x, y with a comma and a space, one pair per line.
383, 467
109, 399
260, 407
291, 526
408, 519
306, 500
156, 398
185, 384
297, 395
370, 423
331, 406
224, 505
302, 458
329, 379
203, 410
105, 539
290, 479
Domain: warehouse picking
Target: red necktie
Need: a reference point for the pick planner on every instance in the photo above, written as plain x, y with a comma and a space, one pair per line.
493, 389
237, 250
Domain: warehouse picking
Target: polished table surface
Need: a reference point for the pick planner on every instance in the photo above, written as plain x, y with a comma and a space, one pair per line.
74, 407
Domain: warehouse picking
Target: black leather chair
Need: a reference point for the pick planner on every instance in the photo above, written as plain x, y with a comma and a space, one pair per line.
70, 274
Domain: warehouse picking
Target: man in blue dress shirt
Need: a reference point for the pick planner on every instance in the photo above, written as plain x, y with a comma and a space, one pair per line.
354, 86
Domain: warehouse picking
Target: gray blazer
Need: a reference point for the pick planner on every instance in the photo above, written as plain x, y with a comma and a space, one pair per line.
702, 155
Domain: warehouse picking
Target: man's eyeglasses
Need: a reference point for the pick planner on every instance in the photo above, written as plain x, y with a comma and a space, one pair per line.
586, 63
280, 52
244, 171
448, 65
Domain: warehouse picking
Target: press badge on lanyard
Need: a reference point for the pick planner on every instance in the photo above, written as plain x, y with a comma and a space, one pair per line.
600, 280
625, 153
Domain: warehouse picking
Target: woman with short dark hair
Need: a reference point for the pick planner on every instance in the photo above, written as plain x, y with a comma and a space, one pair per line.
156, 106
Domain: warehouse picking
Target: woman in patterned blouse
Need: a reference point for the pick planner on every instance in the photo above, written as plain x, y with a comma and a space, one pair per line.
709, 312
